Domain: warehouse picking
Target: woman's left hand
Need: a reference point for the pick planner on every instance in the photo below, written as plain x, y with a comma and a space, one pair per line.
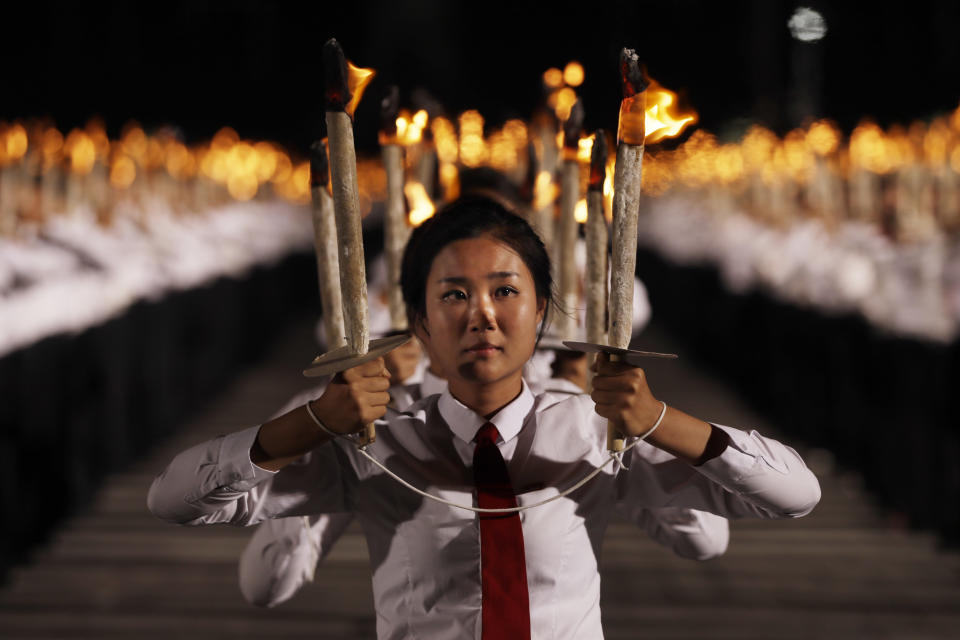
623, 396
402, 362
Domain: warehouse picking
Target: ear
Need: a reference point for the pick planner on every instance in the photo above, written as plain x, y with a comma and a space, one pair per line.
541, 310
418, 327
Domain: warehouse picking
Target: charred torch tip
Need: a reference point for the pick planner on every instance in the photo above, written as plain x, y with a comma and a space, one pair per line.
598, 154
336, 74
389, 109
632, 81
598, 161
573, 125
319, 167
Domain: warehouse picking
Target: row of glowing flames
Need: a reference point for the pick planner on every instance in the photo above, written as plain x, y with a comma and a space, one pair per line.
245, 168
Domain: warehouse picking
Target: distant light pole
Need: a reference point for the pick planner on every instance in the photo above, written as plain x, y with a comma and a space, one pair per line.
807, 27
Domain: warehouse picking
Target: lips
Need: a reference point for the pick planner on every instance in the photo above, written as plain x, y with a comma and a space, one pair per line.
483, 348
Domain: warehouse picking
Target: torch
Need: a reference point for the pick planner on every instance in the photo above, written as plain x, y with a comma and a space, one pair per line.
626, 204
395, 229
569, 194
627, 179
13, 146
426, 168
544, 189
544, 194
325, 241
596, 276
343, 93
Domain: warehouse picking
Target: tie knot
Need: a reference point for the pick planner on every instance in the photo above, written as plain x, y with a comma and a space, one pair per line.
487, 434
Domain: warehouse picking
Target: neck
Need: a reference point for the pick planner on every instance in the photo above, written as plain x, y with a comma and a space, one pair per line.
488, 398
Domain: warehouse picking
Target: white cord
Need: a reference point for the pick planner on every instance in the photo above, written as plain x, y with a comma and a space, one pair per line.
618, 455
352, 437
585, 480
656, 424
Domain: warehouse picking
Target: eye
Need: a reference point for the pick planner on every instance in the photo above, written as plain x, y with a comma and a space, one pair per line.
505, 291
453, 295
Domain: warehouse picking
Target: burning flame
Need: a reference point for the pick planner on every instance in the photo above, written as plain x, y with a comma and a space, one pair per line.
823, 138
283, 169
410, 129
224, 138
728, 163
134, 144
663, 120
544, 191
421, 118
421, 207
51, 144
238, 167
357, 80
553, 78
608, 187
266, 160
573, 74
300, 181
585, 148
758, 146
15, 142
696, 159
445, 138
580, 211
795, 154
81, 150
563, 101
98, 135
450, 179
473, 149
562, 95
870, 149
242, 186
936, 143
122, 172
508, 145
294, 181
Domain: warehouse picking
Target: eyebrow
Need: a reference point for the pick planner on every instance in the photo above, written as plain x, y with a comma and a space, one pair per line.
494, 275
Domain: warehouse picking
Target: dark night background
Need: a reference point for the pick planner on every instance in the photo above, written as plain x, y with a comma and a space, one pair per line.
254, 65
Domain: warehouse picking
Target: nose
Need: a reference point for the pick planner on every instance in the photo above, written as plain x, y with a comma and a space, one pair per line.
482, 316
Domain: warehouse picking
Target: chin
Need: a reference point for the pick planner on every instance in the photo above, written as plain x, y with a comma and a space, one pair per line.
481, 372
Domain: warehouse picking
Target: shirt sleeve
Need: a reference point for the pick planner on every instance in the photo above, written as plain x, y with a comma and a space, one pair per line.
216, 482
692, 534
755, 476
283, 554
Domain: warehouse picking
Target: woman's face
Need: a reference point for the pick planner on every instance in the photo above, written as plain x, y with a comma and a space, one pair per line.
482, 313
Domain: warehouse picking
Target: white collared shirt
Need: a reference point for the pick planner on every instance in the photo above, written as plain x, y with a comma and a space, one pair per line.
425, 555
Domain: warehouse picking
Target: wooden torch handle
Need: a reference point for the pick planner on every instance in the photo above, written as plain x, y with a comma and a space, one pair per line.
367, 436
616, 440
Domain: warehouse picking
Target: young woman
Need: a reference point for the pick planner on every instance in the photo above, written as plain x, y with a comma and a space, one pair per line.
476, 281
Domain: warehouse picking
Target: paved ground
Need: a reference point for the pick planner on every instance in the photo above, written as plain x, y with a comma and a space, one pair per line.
845, 571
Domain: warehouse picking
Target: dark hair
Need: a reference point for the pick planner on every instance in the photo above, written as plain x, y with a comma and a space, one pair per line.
471, 217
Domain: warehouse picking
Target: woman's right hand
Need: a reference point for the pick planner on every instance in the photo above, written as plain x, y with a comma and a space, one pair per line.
355, 397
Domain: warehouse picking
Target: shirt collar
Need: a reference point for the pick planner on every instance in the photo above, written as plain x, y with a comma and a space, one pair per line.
431, 384
465, 423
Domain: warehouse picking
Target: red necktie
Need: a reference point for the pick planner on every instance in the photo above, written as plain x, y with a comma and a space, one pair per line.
506, 602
